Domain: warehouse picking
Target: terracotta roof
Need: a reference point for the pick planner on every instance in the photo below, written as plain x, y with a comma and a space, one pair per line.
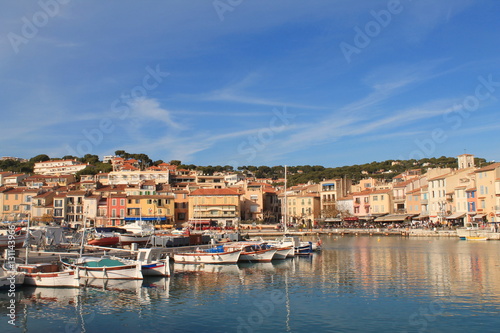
490, 167
214, 191
440, 177
403, 184
381, 191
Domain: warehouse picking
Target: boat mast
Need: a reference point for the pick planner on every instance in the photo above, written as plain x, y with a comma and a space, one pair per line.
285, 222
27, 241
84, 231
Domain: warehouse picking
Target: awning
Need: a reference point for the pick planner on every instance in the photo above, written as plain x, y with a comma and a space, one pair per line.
333, 219
351, 218
479, 217
455, 216
199, 222
159, 218
394, 218
422, 216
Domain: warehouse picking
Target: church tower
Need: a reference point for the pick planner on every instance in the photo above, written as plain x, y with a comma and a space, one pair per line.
465, 161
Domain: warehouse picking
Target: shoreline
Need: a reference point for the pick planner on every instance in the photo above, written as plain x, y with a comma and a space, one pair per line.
371, 232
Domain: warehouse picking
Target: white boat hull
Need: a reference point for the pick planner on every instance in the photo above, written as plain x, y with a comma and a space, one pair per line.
18, 240
129, 271
59, 279
129, 239
258, 256
8, 278
159, 268
47, 275
230, 257
283, 253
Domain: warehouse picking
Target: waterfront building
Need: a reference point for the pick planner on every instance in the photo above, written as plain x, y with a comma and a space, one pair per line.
157, 209
220, 205
59, 167
75, 207
303, 205
259, 202
116, 208
413, 202
43, 207
471, 204
486, 179
345, 205
424, 203
330, 191
60, 204
181, 207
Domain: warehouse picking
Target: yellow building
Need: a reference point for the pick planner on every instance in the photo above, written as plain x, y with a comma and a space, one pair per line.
303, 206
15, 203
220, 205
158, 209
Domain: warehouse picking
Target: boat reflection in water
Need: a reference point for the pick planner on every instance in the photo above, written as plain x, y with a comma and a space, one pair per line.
356, 284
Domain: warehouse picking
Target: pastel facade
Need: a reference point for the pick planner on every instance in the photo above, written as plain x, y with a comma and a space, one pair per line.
220, 205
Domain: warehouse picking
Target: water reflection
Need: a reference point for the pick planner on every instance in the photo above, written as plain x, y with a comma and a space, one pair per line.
355, 283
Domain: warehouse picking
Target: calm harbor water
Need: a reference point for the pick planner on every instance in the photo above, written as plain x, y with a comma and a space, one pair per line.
356, 284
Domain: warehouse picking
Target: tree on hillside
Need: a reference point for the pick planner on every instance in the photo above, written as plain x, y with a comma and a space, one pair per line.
91, 159
40, 158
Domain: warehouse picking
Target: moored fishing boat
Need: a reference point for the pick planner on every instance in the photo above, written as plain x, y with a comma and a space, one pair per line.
252, 251
283, 253
8, 278
476, 238
17, 239
152, 263
49, 275
103, 239
128, 239
105, 267
215, 255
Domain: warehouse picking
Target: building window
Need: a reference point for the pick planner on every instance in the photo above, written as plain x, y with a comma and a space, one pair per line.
58, 203
122, 202
113, 202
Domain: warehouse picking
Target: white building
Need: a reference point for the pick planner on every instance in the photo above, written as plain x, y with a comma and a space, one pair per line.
135, 177
59, 167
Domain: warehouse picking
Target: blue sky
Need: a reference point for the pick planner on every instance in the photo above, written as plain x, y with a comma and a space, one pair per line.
251, 82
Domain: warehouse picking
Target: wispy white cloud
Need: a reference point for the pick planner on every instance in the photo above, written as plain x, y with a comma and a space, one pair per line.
147, 109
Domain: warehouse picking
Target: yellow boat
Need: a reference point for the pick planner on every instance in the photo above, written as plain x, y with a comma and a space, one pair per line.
476, 238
